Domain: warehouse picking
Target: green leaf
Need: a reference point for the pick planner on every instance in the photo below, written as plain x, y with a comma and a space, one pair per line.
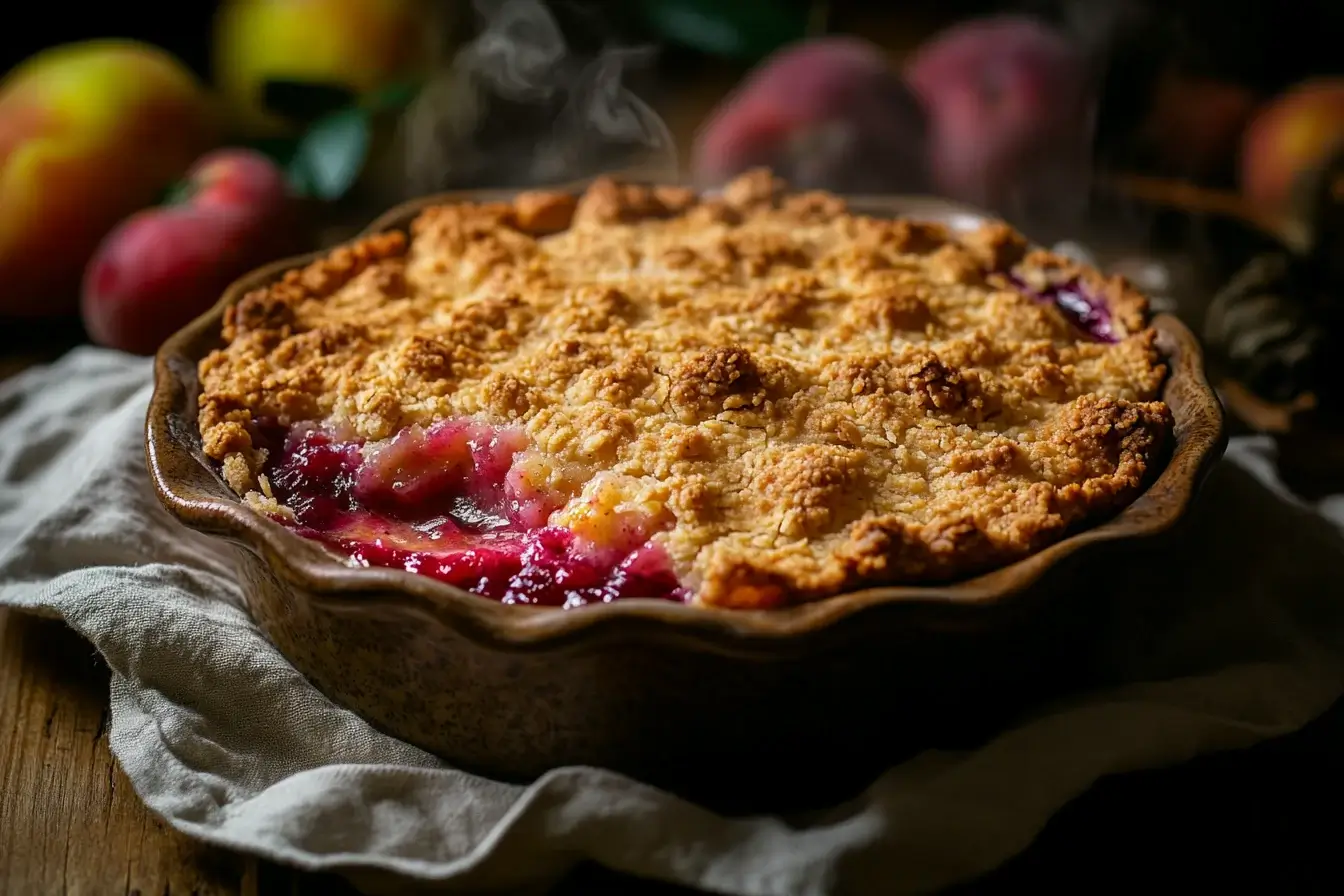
748, 29
305, 101
299, 181
331, 155
392, 98
177, 193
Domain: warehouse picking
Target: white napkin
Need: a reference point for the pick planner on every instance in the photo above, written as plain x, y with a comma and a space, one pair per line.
228, 743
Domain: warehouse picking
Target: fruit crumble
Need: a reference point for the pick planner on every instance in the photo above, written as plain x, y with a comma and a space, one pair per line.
746, 400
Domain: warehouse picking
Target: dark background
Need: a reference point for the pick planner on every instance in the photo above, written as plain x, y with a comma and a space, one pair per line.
1264, 43
182, 28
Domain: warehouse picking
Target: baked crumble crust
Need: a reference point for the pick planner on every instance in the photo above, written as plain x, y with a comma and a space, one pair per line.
811, 400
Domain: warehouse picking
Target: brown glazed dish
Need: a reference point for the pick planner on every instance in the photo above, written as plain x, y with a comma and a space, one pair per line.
728, 706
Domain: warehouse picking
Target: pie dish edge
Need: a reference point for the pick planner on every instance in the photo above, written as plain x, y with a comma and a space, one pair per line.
191, 490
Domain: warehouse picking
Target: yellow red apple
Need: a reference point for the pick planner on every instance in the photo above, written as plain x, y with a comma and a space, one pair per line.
1291, 135
89, 132
356, 45
162, 267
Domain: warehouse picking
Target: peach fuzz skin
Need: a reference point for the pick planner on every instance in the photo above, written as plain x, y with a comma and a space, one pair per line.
164, 266
1006, 97
88, 133
824, 112
1288, 137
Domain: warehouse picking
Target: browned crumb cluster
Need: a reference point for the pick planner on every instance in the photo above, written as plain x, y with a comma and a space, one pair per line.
813, 400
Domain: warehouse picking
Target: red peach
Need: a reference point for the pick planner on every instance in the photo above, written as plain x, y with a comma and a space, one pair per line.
1007, 98
1292, 134
164, 266
827, 113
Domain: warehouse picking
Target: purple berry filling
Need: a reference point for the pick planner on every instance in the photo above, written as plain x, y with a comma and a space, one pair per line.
1077, 303
441, 502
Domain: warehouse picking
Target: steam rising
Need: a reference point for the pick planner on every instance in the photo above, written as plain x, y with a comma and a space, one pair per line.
515, 52
516, 107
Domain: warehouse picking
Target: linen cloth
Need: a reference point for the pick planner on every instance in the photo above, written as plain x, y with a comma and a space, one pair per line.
227, 742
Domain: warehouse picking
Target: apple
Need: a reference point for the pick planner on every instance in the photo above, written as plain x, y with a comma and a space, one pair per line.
1291, 135
315, 47
89, 132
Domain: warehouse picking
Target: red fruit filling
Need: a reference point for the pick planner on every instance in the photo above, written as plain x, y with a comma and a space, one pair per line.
449, 502
1084, 310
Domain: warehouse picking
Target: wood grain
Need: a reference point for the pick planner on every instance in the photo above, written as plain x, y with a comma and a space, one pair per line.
69, 820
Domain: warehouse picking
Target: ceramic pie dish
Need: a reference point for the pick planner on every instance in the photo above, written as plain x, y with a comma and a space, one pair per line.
704, 699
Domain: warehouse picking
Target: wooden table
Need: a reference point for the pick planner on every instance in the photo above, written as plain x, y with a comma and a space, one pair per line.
1264, 820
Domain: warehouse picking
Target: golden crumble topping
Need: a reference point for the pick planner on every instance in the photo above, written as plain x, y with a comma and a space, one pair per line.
809, 400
